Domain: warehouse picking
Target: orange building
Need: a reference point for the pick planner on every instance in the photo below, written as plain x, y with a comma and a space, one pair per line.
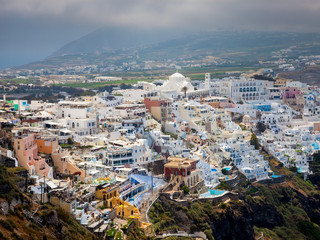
46, 144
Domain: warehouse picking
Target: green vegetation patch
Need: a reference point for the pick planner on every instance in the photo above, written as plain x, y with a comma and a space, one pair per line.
111, 232
119, 236
92, 85
16, 81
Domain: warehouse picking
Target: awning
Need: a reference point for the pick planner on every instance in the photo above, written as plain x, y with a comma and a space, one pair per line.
65, 131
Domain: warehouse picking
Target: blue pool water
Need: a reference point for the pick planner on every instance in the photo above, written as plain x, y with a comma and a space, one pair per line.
212, 192
274, 176
227, 168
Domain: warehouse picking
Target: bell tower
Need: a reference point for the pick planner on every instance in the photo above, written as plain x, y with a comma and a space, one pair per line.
207, 81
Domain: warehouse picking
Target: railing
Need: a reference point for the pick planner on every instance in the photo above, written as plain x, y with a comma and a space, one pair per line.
132, 189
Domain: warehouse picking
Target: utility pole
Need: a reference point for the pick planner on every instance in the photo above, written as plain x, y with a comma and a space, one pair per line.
26, 183
41, 192
44, 187
85, 172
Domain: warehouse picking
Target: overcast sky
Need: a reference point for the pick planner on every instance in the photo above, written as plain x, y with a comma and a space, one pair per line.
32, 29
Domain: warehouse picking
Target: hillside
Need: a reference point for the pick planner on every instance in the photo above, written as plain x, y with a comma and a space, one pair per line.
22, 218
111, 39
290, 210
104, 47
309, 75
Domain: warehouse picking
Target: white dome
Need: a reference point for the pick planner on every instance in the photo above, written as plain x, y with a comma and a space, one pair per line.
175, 83
176, 75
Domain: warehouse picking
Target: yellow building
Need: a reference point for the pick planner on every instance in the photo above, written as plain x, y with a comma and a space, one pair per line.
281, 82
110, 195
111, 199
128, 211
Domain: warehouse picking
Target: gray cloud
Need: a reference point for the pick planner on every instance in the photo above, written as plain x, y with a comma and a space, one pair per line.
52, 23
244, 14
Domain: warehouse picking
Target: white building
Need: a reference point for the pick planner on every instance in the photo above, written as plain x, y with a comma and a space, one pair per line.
242, 89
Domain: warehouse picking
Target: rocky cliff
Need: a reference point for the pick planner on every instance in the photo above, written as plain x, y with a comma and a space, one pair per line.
22, 218
290, 210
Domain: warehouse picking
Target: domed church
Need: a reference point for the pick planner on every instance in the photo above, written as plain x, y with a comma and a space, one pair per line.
175, 85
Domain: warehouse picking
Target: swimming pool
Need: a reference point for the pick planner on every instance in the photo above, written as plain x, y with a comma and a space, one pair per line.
274, 176
212, 193
227, 168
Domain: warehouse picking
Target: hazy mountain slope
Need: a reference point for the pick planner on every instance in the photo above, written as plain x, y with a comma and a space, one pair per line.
110, 39
105, 47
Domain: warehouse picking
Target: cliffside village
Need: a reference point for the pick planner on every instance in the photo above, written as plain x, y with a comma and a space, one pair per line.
106, 158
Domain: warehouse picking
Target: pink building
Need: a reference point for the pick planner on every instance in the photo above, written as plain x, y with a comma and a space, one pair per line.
26, 151
290, 92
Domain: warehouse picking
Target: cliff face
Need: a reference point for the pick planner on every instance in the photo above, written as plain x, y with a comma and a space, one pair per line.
235, 220
22, 218
265, 215
278, 211
235, 223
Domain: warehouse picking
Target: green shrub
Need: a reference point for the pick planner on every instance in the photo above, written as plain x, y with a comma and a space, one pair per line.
224, 186
16, 236
185, 189
63, 215
2, 236
309, 229
70, 141
8, 224
209, 235
111, 232
223, 205
293, 169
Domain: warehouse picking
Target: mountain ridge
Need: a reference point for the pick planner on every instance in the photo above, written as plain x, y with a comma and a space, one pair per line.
240, 47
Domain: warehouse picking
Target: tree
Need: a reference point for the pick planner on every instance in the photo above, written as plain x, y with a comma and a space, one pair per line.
70, 141
185, 189
184, 89
261, 127
254, 141
125, 86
